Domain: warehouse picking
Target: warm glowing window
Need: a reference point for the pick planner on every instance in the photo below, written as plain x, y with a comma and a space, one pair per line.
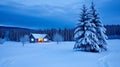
40, 40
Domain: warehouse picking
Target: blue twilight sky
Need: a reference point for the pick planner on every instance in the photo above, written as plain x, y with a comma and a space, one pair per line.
53, 13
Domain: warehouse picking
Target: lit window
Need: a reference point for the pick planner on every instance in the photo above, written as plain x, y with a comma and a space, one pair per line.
32, 39
45, 39
40, 40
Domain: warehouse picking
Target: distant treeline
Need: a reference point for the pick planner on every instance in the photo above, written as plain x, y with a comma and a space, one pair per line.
15, 33
113, 31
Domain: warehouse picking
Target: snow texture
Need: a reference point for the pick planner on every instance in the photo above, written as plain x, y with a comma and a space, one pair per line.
13, 54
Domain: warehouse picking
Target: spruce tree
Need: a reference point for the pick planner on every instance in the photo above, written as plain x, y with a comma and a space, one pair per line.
99, 27
85, 33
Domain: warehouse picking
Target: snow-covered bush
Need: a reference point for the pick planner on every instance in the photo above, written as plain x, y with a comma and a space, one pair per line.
24, 39
2, 41
57, 38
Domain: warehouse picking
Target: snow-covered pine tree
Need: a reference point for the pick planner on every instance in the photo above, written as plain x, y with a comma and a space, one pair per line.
99, 27
85, 33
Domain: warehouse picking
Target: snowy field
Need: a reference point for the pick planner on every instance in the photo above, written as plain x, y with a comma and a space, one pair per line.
13, 54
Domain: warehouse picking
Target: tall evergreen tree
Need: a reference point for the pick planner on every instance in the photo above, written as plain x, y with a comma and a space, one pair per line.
99, 27
85, 33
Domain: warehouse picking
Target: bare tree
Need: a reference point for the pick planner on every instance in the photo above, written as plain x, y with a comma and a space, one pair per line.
57, 38
24, 39
2, 41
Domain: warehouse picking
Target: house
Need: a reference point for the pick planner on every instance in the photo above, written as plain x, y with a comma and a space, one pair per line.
38, 38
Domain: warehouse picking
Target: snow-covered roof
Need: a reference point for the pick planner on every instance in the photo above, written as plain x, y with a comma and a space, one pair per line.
39, 35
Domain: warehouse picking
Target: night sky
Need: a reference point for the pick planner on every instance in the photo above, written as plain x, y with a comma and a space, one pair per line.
54, 13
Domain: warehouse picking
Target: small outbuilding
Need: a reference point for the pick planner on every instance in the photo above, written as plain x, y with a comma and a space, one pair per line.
38, 38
